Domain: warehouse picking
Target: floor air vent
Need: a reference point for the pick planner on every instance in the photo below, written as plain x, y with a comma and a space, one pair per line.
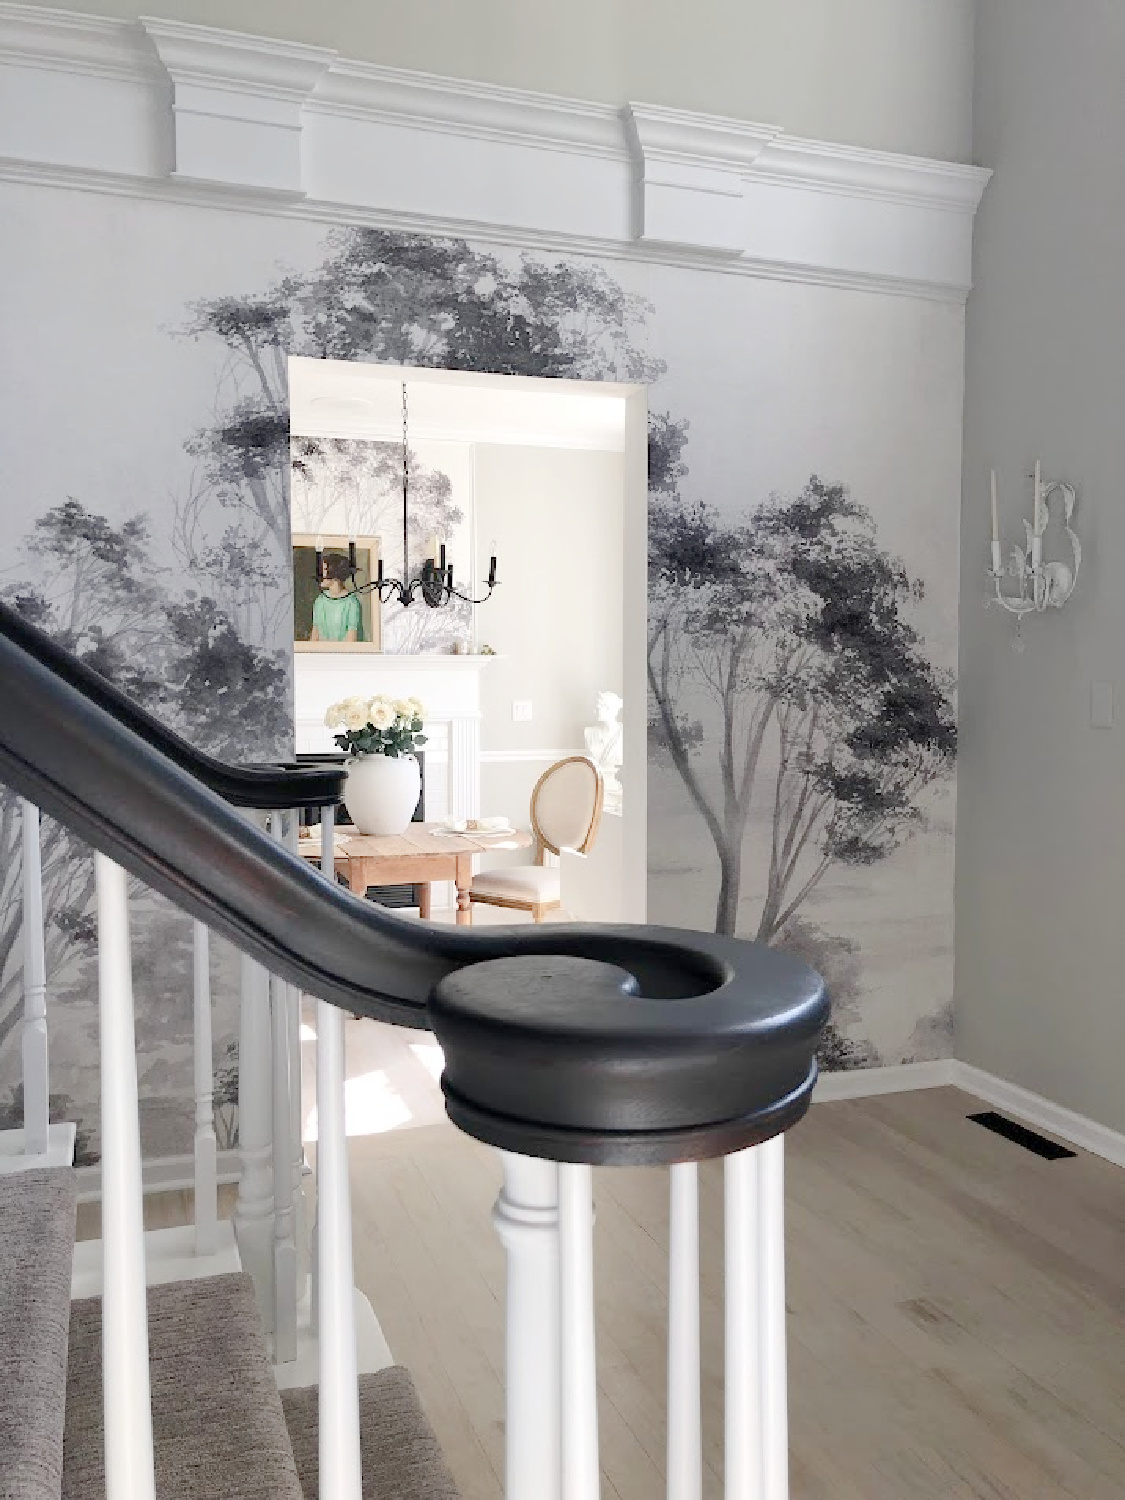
1030, 1140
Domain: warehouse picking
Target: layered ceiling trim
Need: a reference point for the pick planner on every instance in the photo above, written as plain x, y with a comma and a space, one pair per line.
195, 113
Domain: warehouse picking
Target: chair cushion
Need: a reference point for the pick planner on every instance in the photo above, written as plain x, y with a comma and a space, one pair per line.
533, 883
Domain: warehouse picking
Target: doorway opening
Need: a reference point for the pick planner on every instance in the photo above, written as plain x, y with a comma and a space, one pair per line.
550, 478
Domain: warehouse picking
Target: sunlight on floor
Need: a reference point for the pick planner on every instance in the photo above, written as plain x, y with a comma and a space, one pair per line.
430, 1055
371, 1106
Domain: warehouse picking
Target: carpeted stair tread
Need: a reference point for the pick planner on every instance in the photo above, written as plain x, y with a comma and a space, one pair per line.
400, 1454
218, 1428
36, 1245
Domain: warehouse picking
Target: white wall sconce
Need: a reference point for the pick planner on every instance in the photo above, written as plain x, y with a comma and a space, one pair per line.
1041, 585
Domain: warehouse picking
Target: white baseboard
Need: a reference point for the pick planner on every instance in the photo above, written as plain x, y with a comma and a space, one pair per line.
160, 1174
1045, 1115
865, 1083
1033, 1109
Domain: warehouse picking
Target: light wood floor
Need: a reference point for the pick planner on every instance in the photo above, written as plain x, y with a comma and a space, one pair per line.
957, 1307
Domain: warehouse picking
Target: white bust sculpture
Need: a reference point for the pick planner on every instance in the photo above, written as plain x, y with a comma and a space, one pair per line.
604, 747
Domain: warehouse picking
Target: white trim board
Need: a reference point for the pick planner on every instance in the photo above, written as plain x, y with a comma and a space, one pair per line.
1033, 1109
204, 115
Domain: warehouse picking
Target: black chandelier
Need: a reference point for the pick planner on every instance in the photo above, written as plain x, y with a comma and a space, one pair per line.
434, 584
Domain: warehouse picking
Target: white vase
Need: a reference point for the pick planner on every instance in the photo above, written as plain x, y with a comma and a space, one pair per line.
382, 792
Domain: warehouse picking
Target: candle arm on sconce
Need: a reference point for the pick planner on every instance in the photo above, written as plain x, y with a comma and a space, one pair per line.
1042, 585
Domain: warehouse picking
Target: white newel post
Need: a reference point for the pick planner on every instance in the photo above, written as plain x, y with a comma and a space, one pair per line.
36, 1067
253, 1214
340, 1473
284, 1240
581, 1468
206, 1150
126, 1394
684, 1435
526, 1218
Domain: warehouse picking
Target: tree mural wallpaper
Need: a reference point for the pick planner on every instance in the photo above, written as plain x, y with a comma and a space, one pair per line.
794, 701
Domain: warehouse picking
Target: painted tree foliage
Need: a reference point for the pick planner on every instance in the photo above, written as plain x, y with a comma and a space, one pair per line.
788, 628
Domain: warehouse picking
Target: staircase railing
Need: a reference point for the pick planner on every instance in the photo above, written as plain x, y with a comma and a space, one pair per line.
565, 1047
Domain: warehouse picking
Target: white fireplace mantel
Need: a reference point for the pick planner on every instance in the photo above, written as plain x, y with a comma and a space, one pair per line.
449, 688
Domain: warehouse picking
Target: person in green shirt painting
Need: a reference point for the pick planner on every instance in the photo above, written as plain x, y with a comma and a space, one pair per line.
337, 615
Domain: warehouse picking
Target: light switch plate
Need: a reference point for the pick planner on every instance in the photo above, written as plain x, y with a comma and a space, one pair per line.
521, 710
1101, 705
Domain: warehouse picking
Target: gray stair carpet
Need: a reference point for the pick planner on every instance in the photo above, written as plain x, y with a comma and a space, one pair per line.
36, 1244
218, 1428
400, 1454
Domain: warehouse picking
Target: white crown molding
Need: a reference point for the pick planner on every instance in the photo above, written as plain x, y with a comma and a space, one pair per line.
207, 116
68, 41
237, 103
427, 101
824, 167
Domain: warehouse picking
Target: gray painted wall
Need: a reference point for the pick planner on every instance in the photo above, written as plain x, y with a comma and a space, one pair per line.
1041, 832
891, 74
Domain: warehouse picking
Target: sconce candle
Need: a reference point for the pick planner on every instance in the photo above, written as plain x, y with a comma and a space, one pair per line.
997, 560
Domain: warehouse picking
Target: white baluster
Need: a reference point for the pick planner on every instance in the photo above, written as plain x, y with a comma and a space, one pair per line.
206, 1149
36, 1069
299, 1169
684, 1437
775, 1412
253, 1215
526, 1217
581, 1469
126, 1395
340, 1477
744, 1470
284, 1242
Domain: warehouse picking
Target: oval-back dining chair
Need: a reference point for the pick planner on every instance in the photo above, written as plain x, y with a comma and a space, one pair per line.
566, 808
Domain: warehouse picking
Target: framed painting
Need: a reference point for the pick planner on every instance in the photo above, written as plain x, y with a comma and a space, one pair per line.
332, 613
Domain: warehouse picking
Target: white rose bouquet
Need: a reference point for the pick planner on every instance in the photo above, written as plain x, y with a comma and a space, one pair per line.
377, 726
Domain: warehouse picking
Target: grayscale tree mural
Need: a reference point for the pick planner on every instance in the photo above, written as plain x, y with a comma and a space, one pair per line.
790, 624
784, 670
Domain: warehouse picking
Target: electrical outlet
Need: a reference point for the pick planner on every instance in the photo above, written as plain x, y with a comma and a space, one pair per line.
521, 710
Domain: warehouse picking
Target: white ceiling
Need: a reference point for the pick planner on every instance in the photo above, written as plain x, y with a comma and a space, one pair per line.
339, 398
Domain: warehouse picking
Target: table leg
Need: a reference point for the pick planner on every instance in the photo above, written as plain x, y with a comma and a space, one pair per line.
424, 900
357, 877
464, 880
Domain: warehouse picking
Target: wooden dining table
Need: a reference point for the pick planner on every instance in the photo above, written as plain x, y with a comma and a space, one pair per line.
424, 853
